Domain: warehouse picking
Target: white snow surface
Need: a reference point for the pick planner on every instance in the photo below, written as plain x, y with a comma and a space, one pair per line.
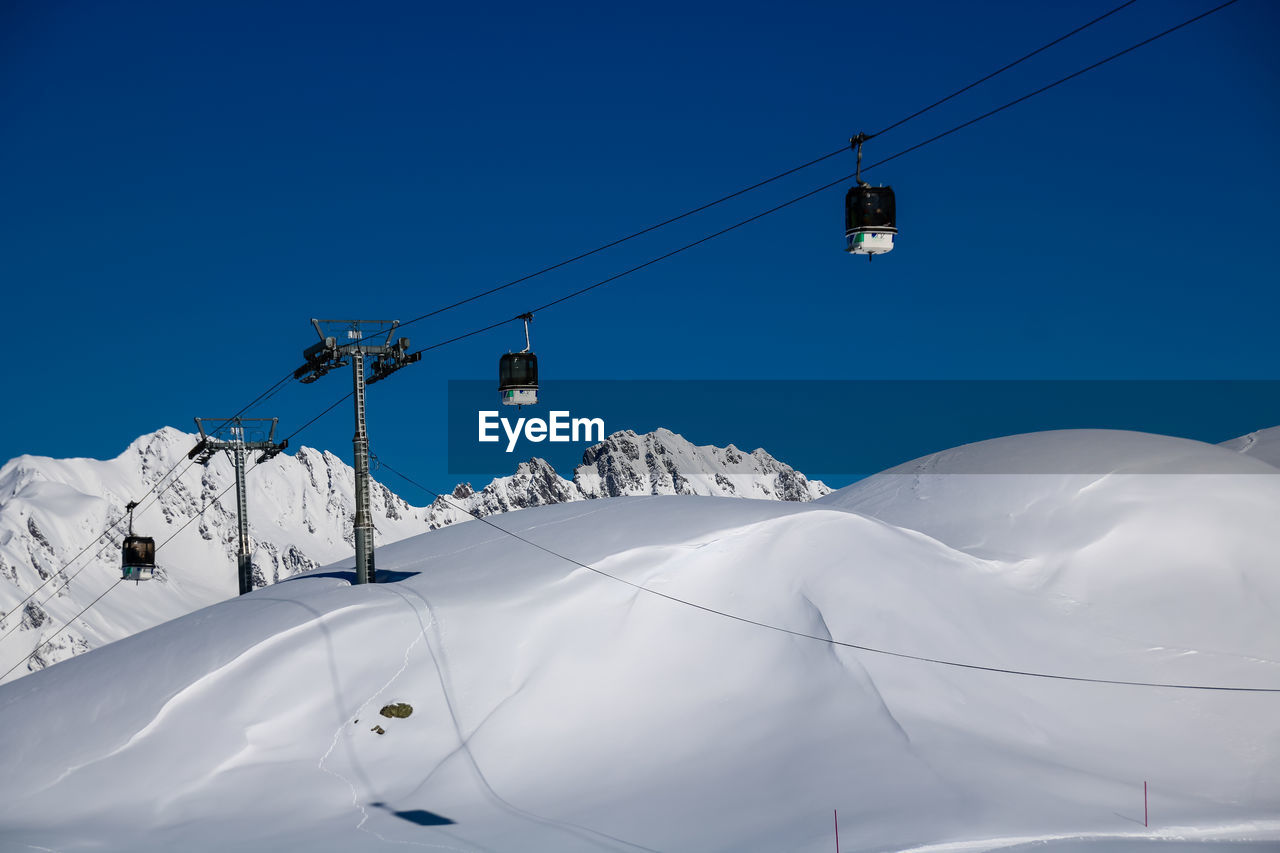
1263, 444
53, 513
301, 512
557, 709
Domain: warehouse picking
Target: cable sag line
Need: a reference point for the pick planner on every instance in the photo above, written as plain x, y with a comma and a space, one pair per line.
156, 491
1055, 83
1002, 69
148, 498
827, 640
839, 181
200, 513
778, 176
51, 637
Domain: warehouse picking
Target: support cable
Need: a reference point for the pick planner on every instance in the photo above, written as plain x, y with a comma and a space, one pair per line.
839, 181
200, 513
826, 640
184, 526
1056, 83
331, 407
149, 497
758, 184
50, 638
622, 240
844, 179
276, 387
1001, 70
261, 397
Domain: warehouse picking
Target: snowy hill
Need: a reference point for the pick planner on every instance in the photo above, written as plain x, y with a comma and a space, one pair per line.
1263, 444
301, 509
556, 709
300, 514
1011, 497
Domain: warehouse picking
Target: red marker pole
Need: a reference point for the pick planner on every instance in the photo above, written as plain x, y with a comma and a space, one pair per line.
1144, 806
836, 815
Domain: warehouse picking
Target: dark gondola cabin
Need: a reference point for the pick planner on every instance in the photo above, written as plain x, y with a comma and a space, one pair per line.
518, 378
138, 558
870, 220
518, 372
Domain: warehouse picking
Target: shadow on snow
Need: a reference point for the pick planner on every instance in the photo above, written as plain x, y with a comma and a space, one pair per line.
421, 817
349, 575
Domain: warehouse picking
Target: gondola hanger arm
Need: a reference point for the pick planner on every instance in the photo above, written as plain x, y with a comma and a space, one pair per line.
527, 319
855, 143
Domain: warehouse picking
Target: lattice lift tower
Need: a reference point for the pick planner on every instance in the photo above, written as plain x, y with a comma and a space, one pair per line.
237, 445
389, 357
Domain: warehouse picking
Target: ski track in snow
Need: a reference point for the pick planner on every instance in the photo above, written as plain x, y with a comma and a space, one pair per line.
359, 711
579, 832
1249, 441
486, 712
1238, 832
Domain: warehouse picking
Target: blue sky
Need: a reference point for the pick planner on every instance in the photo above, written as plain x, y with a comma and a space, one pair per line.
186, 184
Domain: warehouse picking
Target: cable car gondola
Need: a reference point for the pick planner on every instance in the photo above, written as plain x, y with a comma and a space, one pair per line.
518, 373
137, 554
870, 218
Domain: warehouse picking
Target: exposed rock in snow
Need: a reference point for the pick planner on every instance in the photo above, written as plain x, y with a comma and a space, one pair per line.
53, 514
301, 514
663, 463
628, 464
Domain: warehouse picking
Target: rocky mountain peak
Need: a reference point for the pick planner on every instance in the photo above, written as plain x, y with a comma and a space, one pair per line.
665, 463
301, 513
628, 463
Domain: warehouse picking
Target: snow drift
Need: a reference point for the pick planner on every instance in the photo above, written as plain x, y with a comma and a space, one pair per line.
676, 705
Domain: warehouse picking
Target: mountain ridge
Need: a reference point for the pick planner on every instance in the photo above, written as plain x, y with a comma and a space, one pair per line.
301, 515
628, 464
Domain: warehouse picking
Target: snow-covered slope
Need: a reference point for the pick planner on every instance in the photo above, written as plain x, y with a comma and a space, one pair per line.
301, 509
1051, 491
556, 709
53, 513
1263, 444
1168, 539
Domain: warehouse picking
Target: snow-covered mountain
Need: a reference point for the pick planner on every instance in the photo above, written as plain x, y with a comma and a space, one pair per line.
656, 463
301, 508
712, 683
53, 513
